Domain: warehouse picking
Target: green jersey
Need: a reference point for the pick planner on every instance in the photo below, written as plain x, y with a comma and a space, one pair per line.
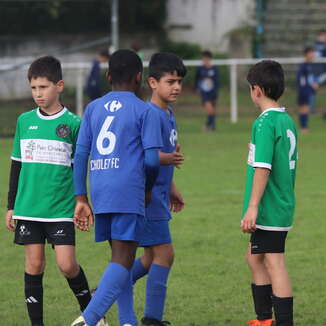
45, 145
273, 146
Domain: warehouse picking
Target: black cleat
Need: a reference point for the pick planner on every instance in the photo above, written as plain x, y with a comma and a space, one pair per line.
153, 322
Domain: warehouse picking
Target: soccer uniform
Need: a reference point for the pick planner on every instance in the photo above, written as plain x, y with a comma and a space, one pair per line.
156, 230
273, 146
116, 130
305, 79
207, 81
320, 68
45, 146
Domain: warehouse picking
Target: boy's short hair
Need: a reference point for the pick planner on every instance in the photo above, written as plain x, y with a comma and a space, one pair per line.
308, 49
322, 31
48, 67
124, 65
269, 76
162, 63
104, 53
207, 54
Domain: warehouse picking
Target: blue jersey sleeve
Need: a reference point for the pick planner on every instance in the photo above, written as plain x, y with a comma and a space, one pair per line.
80, 170
85, 132
151, 130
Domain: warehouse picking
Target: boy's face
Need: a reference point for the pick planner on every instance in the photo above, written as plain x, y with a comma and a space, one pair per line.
45, 93
207, 61
322, 37
310, 56
168, 88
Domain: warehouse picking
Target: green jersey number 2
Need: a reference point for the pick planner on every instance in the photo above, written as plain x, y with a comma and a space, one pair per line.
293, 143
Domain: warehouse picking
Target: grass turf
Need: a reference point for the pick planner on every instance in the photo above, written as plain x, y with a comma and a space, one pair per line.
209, 284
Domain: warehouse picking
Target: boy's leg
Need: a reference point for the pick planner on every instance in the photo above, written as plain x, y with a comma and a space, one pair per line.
125, 301
34, 269
261, 286
157, 281
282, 291
304, 117
66, 260
210, 109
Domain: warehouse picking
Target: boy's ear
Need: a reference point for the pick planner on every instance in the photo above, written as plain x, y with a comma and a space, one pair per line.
258, 90
152, 82
139, 77
60, 84
109, 78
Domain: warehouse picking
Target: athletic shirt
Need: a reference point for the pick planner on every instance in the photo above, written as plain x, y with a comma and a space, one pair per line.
207, 79
116, 130
305, 78
273, 146
45, 145
159, 207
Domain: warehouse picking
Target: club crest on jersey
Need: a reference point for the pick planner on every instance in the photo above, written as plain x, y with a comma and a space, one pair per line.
63, 131
173, 137
113, 106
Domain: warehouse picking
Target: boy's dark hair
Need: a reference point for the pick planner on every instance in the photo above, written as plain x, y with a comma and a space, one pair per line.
308, 49
104, 53
322, 31
124, 65
207, 54
48, 67
164, 63
269, 76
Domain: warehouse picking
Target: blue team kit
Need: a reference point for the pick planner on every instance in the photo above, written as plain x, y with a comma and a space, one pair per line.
116, 129
207, 81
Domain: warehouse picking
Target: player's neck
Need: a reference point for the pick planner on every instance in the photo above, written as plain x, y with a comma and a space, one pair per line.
53, 109
160, 103
268, 104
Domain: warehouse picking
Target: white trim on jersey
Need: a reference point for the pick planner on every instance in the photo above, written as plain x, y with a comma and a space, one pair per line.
16, 159
273, 228
51, 117
273, 109
42, 219
262, 165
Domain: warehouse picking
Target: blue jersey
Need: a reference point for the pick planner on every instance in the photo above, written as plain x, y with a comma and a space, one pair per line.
305, 79
116, 130
207, 79
159, 207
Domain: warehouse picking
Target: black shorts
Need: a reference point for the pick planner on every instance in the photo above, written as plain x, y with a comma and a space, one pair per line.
264, 242
34, 232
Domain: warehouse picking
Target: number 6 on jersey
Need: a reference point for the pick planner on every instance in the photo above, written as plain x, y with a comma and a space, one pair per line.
106, 134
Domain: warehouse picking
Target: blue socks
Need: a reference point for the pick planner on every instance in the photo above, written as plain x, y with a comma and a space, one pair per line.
126, 300
113, 282
303, 118
156, 291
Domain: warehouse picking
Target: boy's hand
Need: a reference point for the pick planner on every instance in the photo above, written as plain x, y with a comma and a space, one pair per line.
248, 223
10, 223
175, 158
83, 215
315, 86
176, 201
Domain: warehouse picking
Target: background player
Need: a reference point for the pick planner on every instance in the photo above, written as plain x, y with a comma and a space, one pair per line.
306, 86
269, 198
121, 134
41, 194
166, 72
207, 82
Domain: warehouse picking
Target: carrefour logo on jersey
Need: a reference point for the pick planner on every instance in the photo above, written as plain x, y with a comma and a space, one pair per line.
173, 137
113, 106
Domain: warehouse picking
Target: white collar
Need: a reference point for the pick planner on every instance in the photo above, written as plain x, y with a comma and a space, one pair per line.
51, 117
273, 109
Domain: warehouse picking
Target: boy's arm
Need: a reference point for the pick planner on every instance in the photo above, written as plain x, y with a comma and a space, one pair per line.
13, 186
152, 168
248, 223
83, 215
175, 158
176, 200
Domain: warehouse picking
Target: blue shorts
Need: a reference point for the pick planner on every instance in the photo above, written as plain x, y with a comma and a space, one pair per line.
155, 232
305, 98
208, 96
118, 226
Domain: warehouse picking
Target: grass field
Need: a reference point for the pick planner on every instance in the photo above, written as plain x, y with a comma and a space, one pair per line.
210, 283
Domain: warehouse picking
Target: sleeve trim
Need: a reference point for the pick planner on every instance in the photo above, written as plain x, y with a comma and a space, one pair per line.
16, 159
262, 165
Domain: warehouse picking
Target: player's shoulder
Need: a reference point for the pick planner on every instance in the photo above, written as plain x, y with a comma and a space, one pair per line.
30, 114
72, 117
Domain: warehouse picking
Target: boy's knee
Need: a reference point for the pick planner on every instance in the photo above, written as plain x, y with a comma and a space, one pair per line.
275, 262
164, 255
35, 266
69, 269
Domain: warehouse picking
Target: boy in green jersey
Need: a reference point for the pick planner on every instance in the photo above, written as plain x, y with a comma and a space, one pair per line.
41, 198
269, 196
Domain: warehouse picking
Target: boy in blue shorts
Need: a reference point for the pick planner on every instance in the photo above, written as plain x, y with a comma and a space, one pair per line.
121, 134
41, 198
269, 199
166, 72
207, 83
307, 87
